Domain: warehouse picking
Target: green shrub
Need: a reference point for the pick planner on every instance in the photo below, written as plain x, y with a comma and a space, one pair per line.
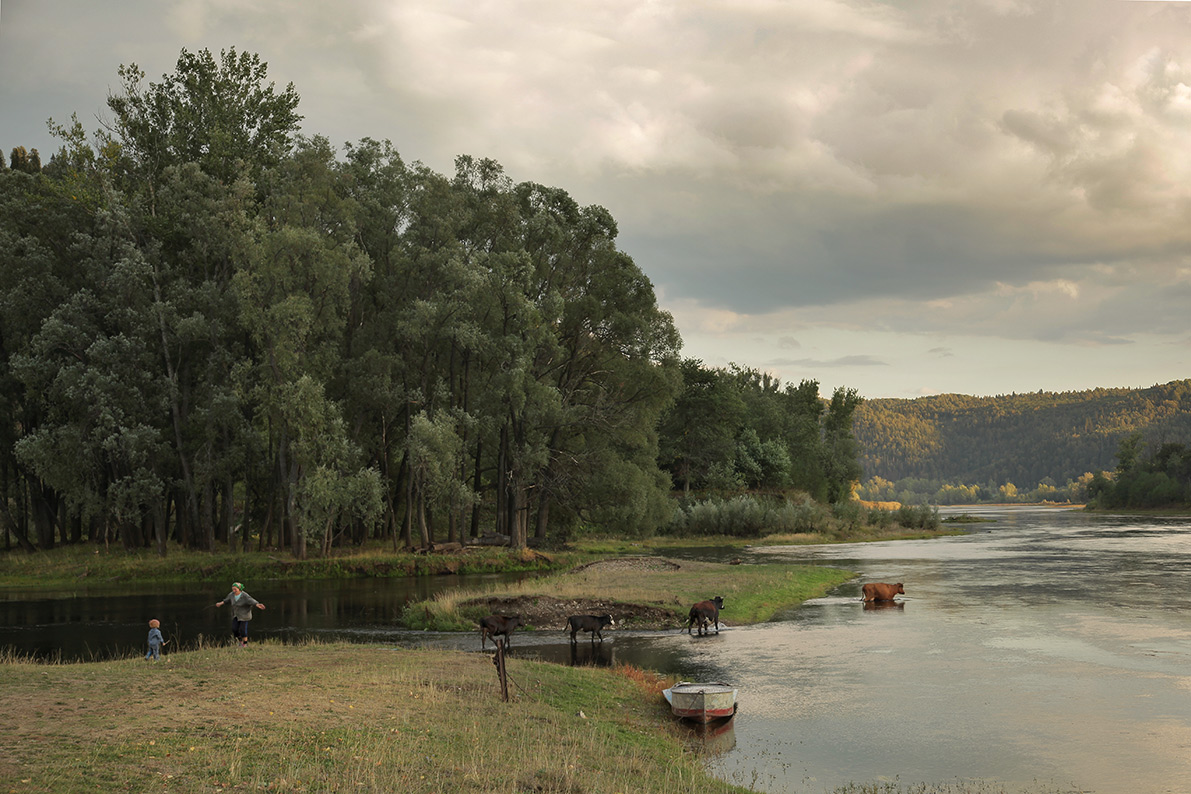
749, 516
918, 516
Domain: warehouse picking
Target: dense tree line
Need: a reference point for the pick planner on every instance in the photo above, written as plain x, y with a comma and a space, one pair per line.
213, 328
1018, 447
1146, 476
736, 429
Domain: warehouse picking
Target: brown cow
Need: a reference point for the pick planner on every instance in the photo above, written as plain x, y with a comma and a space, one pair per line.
704, 613
498, 624
880, 591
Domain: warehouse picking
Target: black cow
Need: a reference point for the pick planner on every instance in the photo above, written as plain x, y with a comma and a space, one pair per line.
706, 612
594, 624
493, 625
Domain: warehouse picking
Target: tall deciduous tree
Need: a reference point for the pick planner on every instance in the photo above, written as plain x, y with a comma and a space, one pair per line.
841, 463
100, 444
294, 295
700, 430
220, 114
321, 343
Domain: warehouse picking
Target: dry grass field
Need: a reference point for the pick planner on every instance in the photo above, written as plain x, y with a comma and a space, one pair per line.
337, 718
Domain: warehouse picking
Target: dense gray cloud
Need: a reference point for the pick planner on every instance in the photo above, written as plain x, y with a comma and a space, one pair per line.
920, 196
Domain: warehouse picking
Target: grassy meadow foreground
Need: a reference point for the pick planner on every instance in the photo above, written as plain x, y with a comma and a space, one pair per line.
337, 717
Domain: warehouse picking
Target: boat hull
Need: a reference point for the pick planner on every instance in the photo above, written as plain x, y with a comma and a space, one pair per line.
701, 702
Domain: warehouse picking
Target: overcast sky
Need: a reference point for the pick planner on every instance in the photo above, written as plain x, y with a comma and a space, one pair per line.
905, 198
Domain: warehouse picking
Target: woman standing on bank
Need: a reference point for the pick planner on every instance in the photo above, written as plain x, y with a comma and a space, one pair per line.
242, 605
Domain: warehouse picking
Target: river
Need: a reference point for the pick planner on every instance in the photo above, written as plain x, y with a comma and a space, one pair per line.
1049, 649
1046, 650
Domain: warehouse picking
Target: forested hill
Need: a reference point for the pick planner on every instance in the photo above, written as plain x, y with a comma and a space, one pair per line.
1018, 438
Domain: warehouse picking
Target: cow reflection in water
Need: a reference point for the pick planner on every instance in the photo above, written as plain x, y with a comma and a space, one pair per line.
592, 655
870, 606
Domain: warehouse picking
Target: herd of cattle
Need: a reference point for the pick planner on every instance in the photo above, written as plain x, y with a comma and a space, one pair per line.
702, 616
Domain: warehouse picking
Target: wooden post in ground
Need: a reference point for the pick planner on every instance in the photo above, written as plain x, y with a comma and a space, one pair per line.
499, 661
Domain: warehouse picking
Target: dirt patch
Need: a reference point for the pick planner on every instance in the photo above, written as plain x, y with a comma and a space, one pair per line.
544, 613
635, 563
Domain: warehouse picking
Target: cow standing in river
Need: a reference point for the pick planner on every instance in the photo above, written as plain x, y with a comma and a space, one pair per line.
705, 613
880, 591
494, 625
593, 624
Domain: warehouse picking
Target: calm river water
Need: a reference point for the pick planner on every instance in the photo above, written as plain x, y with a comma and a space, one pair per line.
1049, 650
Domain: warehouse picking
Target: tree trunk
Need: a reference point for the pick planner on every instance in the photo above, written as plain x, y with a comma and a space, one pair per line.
130, 535
290, 476
422, 528
161, 530
327, 532
267, 528
76, 529
42, 499
175, 407
407, 524
518, 516
14, 529
476, 487
207, 516
543, 517
186, 525
390, 522
502, 484
63, 524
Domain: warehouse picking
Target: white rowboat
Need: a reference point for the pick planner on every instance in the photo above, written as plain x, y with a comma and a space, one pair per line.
701, 702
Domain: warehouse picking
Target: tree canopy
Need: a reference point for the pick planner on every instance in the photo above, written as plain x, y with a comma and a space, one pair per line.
215, 329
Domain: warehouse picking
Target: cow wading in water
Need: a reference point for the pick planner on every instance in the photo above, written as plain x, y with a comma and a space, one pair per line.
880, 591
704, 613
493, 625
593, 624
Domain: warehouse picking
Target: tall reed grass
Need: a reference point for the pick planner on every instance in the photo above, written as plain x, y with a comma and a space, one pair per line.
756, 516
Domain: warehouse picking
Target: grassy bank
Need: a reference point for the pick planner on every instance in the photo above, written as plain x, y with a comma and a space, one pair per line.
753, 593
337, 718
69, 566
660, 544
91, 564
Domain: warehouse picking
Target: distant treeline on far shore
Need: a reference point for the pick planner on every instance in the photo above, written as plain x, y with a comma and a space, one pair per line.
1113, 448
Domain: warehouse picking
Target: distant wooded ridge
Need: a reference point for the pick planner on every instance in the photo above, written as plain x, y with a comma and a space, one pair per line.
1021, 439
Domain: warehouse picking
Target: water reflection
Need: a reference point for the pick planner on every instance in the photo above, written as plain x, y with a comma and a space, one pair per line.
1048, 649
711, 738
596, 655
101, 622
877, 606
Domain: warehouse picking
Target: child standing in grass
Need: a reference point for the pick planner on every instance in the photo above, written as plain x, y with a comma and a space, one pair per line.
242, 605
155, 640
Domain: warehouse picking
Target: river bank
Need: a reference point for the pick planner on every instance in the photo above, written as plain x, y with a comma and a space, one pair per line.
70, 566
338, 717
640, 592
86, 564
